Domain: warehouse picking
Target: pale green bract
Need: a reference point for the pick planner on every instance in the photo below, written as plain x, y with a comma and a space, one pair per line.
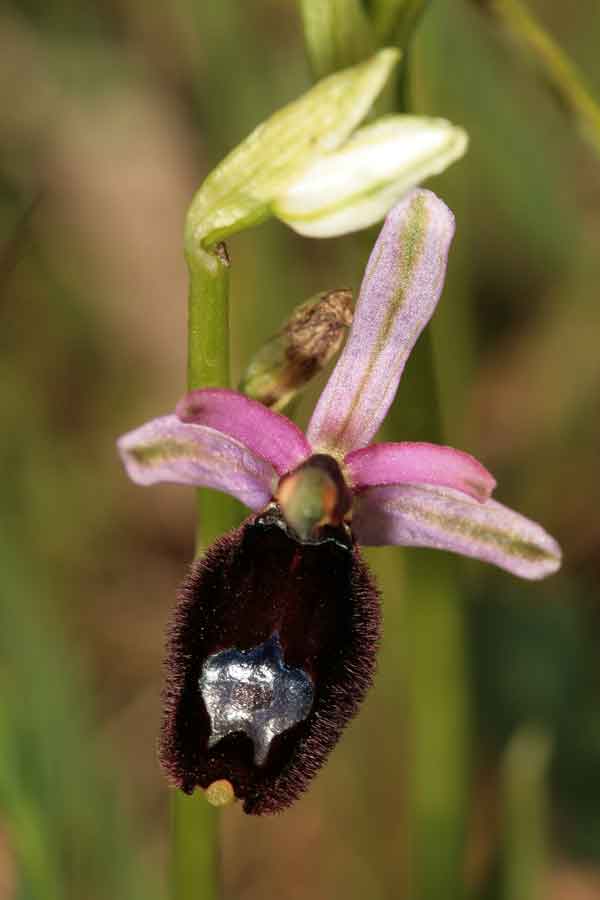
310, 167
356, 185
242, 189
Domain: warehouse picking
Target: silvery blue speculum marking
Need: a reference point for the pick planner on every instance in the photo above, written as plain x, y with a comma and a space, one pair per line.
286, 595
254, 692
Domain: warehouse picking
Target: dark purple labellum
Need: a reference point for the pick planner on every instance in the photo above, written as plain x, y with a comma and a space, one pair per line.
271, 652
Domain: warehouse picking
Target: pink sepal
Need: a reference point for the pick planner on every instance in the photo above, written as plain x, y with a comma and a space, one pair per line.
419, 463
266, 433
419, 516
399, 292
167, 449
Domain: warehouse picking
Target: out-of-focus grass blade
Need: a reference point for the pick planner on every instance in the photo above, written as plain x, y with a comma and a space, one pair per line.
58, 793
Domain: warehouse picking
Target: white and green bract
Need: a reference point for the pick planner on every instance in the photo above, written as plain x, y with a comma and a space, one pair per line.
356, 185
309, 166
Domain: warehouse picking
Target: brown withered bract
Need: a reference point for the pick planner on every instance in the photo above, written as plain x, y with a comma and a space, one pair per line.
304, 345
316, 329
261, 615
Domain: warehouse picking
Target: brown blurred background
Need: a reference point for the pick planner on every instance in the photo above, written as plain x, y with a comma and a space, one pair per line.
112, 114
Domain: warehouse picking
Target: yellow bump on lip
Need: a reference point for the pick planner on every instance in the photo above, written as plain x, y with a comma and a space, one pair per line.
220, 793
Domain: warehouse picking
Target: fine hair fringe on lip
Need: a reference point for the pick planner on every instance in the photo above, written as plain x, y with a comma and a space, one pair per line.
322, 601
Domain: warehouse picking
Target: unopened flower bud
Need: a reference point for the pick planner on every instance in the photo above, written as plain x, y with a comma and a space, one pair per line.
241, 190
309, 166
302, 347
355, 186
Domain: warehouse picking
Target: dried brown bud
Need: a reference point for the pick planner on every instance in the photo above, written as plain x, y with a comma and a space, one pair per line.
300, 350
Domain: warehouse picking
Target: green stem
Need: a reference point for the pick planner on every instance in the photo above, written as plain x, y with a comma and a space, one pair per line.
338, 34
434, 652
396, 20
558, 70
194, 848
436, 676
208, 316
525, 813
195, 838
437, 773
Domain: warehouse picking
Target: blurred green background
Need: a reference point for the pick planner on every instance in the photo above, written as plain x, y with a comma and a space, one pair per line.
112, 113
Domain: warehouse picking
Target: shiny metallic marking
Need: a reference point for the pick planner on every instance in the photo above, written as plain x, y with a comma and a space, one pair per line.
253, 691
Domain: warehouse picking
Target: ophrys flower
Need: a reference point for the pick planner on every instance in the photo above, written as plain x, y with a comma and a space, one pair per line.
275, 634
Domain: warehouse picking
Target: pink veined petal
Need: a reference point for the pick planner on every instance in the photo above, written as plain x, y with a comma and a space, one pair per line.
399, 292
419, 463
422, 516
167, 449
266, 433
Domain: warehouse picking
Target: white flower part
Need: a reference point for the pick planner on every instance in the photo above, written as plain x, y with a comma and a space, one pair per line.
355, 186
241, 190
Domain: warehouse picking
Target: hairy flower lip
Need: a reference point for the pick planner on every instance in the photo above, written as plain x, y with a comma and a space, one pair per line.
276, 579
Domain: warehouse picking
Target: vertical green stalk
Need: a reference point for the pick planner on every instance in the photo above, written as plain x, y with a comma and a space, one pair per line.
525, 808
437, 770
195, 838
437, 764
208, 316
554, 65
435, 656
338, 33
436, 676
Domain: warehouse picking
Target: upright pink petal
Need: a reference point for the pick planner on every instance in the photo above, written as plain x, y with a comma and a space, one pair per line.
419, 463
420, 516
266, 433
400, 290
167, 449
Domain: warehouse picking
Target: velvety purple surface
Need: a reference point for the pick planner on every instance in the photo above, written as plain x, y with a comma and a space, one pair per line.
323, 605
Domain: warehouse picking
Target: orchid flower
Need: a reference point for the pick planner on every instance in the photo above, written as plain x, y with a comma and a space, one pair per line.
275, 634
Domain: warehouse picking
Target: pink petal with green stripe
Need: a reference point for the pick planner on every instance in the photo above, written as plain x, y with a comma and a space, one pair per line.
422, 516
419, 463
167, 449
268, 434
400, 290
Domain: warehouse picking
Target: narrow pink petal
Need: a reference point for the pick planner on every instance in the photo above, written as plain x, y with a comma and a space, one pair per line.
419, 463
400, 290
167, 449
421, 516
266, 433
